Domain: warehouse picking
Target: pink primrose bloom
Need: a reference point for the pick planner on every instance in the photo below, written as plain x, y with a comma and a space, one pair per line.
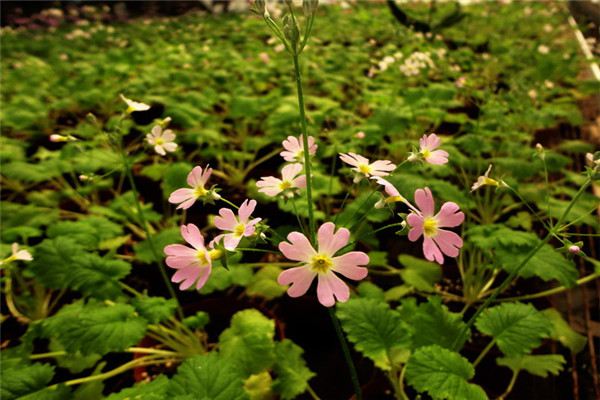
428, 145
322, 263
193, 264
272, 186
240, 226
436, 241
294, 148
363, 167
197, 179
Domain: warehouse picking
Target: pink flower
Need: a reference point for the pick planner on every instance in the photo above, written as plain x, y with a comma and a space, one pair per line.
428, 144
436, 241
364, 167
197, 179
193, 264
295, 148
322, 263
239, 227
393, 193
289, 181
162, 141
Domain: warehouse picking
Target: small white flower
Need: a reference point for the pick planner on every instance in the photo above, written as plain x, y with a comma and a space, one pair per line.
17, 254
543, 49
162, 141
485, 180
134, 105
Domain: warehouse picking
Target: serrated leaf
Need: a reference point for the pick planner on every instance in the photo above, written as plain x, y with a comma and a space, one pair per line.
420, 274
538, 365
432, 323
264, 283
95, 328
258, 386
61, 263
88, 232
370, 290
154, 390
208, 376
154, 309
21, 379
443, 374
517, 328
375, 330
248, 342
291, 370
562, 332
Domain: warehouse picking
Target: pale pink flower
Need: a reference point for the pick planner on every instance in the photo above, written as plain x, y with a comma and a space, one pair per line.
436, 241
428, 145
363, 167
240, 226
322, 263
393, 194
162, 141
197, 179
193, 264
290, 180
294, 148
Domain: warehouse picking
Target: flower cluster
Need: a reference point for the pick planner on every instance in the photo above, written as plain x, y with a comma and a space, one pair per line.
416, 62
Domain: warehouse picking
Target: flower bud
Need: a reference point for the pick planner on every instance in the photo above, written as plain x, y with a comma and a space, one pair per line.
360, 135
574, 249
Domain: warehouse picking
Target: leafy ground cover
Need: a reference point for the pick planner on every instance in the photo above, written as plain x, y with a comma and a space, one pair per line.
92, 201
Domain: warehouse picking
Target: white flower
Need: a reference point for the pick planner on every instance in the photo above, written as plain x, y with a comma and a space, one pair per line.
17, 254
543, 49
134, 105
485, 180
162, 141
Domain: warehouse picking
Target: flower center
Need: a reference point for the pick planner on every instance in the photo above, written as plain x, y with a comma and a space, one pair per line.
300, 155
159, 141
285, 185
321, 263
239, 230
364, 169
426, 153
200, 191
215, 254
202, 257
430, 226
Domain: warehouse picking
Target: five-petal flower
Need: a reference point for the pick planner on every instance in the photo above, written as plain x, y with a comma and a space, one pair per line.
239, 227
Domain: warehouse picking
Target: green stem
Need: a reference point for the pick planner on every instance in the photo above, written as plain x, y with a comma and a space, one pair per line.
485, 350
144, 222
527, 258
552, 291
224, 200
307, 166
346, 352
511, 384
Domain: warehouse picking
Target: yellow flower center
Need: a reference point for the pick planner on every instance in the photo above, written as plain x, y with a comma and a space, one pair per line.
426, 153
490, 181
285, 185
430, 226
200, 191
215, 254
202, 257
364, 169
300, 155
239, 229
321, 263
159, 141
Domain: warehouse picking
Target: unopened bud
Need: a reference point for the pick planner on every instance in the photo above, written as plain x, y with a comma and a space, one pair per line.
360, 135
58, 138
574, 249
540, 151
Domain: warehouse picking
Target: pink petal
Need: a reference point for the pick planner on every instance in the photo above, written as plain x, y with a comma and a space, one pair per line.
300, 182
383, 165
416, 222
348, 265
424, 200
291, 144
450, 215
249, 231
195, 176
187, 276
270, 191
288, 156
160, 150
387, 186
168, 135
299, 277
330, 242
290, 171
182, 261
231, 241
437, 157
331, 287
415, 233
171, 147
226, 221
448, 242
312, 147
187, 204
192, 235
429, 142
431, 251
246, 209
204, 274
299, 248
179, 250
156, 130
181, 195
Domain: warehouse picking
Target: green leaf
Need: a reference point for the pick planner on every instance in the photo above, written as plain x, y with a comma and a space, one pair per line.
158, 389
74, 362
154, 309
432, 323
248, 342
517, 328
443, 374
20, 379
61, 263
175, 177
563, 332
197, 321
95, 328
375, 330
88, 232
538, 365
370, 290
264, 283
208, 377
420, 274
143, 251
291, 370
258, 386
